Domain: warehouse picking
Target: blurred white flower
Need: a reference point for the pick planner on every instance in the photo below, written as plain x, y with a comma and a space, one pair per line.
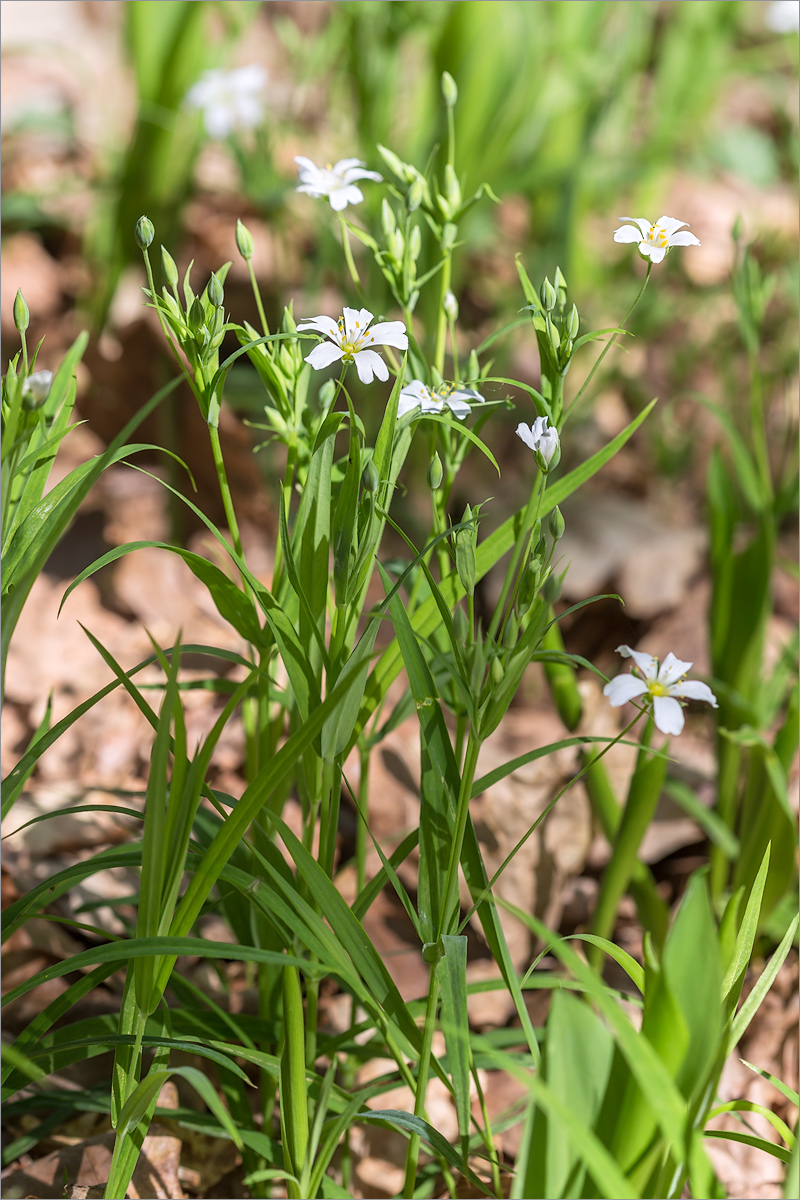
661, 683
417, 394
229, 100
36, 388
336, 182
655, 240
351, 340
783, 16
542, 439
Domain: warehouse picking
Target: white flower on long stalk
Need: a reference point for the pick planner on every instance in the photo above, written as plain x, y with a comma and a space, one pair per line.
229, 100
655, 240
36, 388
543, 440
664, 683
782, 16
351, 339
417, 394
337, 183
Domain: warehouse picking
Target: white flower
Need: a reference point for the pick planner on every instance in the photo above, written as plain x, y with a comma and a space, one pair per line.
351, 339
337, 182
655, 240
661, 683
542, 440
417, 394
783, 16
36, 387
229, 99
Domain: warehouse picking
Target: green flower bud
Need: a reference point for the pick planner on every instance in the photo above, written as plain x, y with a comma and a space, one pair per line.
244, 241
511, 631
573, 322
449, 89
547, 295
36, 389
557, 525
369, 476
289, 323
466, 546
414, 196
496, 672
396, 245
552, 588
452, 187
450, 306
449, 235
435, 473
388, 222
529, 584
196, 315
415, 243
214, 291
561, 287
144, 233
22, 316
540, 549
169, 268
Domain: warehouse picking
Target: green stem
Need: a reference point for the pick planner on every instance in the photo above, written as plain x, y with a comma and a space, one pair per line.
529, 519
423, 1073
449, 924
607, 347
24, 342
758, 427
294, 1099
225, 491
441, 326
256, 292
348, 255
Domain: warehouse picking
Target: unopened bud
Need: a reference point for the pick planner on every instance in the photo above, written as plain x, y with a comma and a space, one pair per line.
449, 89
196, 315
369, 477
144, 233
561, 287
395, 244
214, 291
435, 473
556, 524
388, 222
547, 295
529, 583
36, 389
244, 241
450, 306
449, 235
511, 631
452, 188
414, 196
552, 588
22, 316
289, 323
573, 322
415, 243
496, 671
169, 268
466, 545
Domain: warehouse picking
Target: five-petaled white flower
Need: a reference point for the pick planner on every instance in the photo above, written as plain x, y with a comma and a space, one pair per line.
542, 440
661, 683
36, 387
655, 240
337, 182
229, 100
417, 394
352, 340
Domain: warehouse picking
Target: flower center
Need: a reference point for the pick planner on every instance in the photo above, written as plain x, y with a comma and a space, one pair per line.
657, 237
657, 689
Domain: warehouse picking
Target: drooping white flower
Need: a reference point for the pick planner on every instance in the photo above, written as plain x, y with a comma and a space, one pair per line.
417, 394
336, 182
229, 100
542, 439
783, 16
660, 682
351, 339
655, 240
36, 388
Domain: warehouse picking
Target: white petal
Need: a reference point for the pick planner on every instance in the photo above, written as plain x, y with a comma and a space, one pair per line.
367, 362
684, 238
667, 714
354, 173
467, 394
670, 224
323, 355
623, 688
406, 404
693, 689
389, 333
672, 668
641, 222
356, 323
252, 77
416, 390
627, 233
325, 325
656, 253
644, 661
340, 197
346, 164
219, 121
525, 432
459, 407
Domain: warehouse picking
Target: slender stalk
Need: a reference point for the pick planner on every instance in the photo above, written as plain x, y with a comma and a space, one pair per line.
257, 293
462, 814
423, 1073
348, 254
758, 425
441, 324
529, 519
607, 347
224, 487
294, 1101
